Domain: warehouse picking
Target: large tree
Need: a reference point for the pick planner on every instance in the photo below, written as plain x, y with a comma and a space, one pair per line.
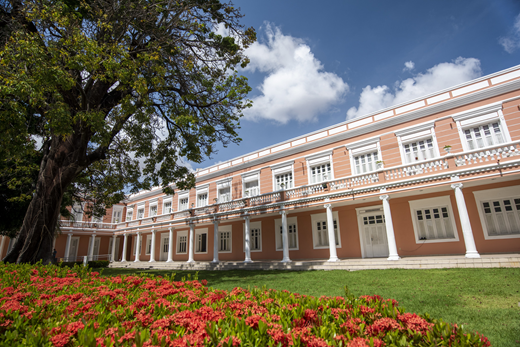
114, 95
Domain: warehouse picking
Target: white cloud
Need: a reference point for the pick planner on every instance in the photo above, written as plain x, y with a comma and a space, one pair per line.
409, 66
296, 86
439, 77
512, 41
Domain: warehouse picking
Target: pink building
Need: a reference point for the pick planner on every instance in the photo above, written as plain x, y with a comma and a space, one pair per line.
437, 175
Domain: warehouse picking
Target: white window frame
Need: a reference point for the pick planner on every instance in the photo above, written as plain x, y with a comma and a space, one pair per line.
224, 184
282, 169
153, 204
199, 232
485, 115
225, 229
248, 178
117, 209
140, 207
129, 213
178, 242
322, 217
430, 203
256, 226
182, 196
317, 160
74, 211
135, 244
368, 146
417, 133
278, 235
201, 191
165, 201
148, 248
504, 193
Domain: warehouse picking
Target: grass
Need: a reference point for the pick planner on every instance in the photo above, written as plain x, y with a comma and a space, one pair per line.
483, 300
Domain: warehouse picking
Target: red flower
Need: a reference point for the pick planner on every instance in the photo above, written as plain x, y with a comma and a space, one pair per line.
60, 340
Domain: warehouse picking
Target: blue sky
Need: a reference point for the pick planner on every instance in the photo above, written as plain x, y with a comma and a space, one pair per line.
317, 63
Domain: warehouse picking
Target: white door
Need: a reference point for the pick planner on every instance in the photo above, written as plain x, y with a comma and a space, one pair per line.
165, 242
116, 254
373, 233
73, 250
97, 241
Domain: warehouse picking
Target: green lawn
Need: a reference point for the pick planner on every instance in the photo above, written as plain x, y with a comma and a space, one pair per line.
483, 300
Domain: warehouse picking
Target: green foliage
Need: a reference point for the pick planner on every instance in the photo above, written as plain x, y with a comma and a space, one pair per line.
462, 296
92, 264
44, 305
119, 93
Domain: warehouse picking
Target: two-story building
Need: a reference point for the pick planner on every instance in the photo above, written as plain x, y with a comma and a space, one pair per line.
438, 175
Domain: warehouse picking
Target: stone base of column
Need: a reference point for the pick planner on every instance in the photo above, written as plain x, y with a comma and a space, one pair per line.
286, 261
151, 261
137, 261
393, 257
333, 259
248, 261
472, 255
169, 261
215, 262
190, 261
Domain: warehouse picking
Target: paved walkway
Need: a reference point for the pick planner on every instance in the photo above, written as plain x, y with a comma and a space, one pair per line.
431, 262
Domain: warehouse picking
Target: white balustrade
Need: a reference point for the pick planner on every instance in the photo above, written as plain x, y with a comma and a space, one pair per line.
427, 167
485, 155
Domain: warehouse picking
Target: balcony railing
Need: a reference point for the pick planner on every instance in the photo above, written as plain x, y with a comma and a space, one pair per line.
500, 154
487, 155
86, 225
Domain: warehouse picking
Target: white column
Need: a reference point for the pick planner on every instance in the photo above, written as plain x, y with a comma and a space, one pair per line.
2, 246
137, 243
192, 243
390, 235
125, 241
285, 238
170, 245
67, 247
215, 241
113, 250
469, 241
91, 250
247, 244
330, 231
152, 250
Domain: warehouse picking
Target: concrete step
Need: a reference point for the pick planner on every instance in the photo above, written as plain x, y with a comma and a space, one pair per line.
510, 260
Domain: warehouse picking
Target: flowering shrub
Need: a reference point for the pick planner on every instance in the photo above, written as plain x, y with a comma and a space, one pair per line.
53, 306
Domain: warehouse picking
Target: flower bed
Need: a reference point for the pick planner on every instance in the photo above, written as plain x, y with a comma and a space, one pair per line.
52, 306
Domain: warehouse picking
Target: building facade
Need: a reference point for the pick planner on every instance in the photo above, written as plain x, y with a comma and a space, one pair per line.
438, 175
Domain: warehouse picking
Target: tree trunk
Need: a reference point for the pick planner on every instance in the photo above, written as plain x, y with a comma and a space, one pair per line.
36, 237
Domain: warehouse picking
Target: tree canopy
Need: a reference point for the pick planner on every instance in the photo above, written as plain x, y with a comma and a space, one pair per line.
114, 95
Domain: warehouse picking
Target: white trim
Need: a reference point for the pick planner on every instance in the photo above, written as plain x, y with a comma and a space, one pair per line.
226, 228
322, 217
163, 256
183, 195
362, 143
117, 208
166, 200
478, 117
280, 169
511, 192
441, 201
368, 211
148, 243
152, 204
177, 241
197, 233
253, 225
278, 225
